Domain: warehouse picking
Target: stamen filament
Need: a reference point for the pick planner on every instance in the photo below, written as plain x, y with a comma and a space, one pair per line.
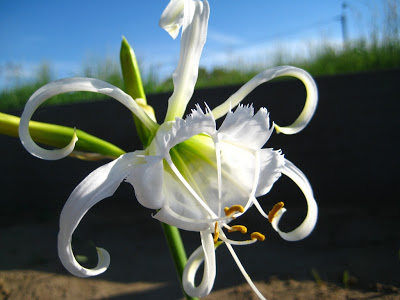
259, 208
219, 170
245, 275
190, 220
233, 242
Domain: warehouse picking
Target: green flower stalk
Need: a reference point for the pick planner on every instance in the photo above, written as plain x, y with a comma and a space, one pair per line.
134, 88
88, 147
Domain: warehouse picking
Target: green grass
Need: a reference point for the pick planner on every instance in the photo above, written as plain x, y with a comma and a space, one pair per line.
356, 57
326, 60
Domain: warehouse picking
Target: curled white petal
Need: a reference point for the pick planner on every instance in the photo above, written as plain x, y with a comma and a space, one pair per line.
172, 17
309, 107
72, 85
206, 254
307, 226
99, 184
194, 33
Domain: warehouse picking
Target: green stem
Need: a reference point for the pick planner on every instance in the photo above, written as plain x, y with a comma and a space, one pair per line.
134, 88
177, 250
59, 136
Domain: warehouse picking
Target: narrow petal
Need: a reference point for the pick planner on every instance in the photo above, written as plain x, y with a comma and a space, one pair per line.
172, 18
72, 85
195, 23
98, 185
271, 167
309, 222
204, 253
242, 127
309, 107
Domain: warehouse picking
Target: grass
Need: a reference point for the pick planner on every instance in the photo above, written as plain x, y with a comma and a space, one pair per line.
357, 56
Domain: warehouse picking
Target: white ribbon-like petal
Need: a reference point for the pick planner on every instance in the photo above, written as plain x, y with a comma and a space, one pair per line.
270, 170
99, 184
204, 253
242, 127
194, 34
309, 222
309, 107
72, 85
172, 17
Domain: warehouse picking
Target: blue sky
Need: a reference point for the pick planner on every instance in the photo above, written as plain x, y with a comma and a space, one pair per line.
68, 34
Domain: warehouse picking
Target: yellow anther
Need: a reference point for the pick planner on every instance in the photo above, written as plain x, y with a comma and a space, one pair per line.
257, 236
216, 233
233, 209
240, 228
274, 211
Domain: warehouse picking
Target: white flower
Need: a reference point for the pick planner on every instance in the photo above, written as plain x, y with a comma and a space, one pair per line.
198, 177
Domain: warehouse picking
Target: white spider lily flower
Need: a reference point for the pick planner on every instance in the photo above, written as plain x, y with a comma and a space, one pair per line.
198, 177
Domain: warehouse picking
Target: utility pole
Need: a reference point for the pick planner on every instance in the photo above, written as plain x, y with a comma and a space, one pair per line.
343, 21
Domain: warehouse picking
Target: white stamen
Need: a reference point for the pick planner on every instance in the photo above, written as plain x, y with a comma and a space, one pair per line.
259, 208
237, 243
190, 220
245, 275
219, 169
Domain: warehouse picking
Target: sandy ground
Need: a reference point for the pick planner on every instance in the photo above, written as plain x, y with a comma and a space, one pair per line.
140, 267
19, 285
